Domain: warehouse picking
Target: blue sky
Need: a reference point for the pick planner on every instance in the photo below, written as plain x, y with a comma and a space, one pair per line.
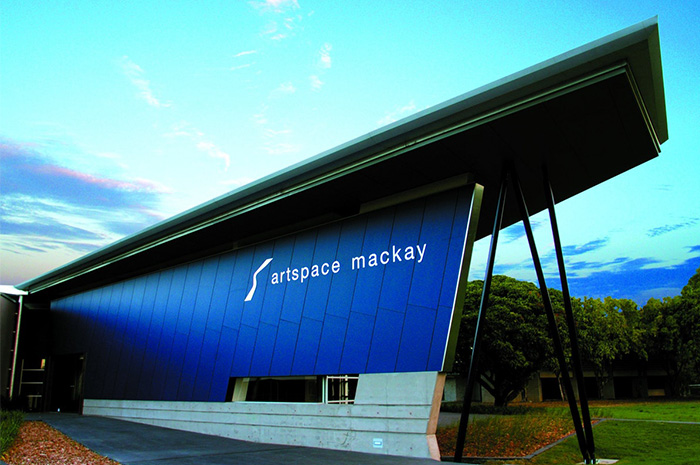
116, 115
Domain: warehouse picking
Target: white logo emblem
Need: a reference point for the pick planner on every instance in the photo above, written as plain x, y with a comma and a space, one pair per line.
249, 297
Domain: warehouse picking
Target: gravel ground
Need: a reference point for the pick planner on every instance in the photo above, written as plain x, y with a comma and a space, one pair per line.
39, 444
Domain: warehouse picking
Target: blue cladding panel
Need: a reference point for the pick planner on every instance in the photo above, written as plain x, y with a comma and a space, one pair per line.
442, 325
244, 349
307, 346
331, 347
383, 353
317, 295
295, 293
205, 367
416, 339
219, 296
274, 297
369, 279
222, 365
282, 357
264, 345
357, 341
372, 293
343, 288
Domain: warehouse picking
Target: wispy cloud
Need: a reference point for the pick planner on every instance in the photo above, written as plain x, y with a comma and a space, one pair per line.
244, 53
280, 148
200, 141
284, 22
671, 227
324, 60
282, 89
278, 141
246, 65
46, 207
213, 151
573, 250
277, 6
637, 279
316, 82
136, 75
260, 118
397, 114
694, 249
34, 174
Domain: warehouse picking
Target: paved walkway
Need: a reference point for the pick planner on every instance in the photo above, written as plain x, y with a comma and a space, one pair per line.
137, 444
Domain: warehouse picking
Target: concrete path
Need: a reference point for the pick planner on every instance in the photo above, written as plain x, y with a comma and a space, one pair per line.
137, 444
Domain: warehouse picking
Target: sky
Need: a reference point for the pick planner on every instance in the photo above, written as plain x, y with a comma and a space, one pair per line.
117, 115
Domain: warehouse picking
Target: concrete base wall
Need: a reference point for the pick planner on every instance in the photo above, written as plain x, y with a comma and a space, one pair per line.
393, 414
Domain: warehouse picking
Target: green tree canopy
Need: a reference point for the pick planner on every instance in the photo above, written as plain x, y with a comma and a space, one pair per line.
515, 338
673, 335
517, 344
608, 329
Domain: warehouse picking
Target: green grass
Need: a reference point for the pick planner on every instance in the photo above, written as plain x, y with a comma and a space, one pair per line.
631, 443
10, 421
652, 410
642, 441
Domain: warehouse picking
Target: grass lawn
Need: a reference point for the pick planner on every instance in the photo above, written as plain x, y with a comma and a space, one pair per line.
642, 441
651, 410
631, 443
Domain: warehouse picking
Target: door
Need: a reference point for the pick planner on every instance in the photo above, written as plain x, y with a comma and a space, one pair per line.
66, 384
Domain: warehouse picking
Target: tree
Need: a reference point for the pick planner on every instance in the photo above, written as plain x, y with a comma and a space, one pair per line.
515, 338
673, 335
608, 330
691, 291
551, 363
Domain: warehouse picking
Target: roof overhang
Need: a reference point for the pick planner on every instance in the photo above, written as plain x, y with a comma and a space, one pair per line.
587, 115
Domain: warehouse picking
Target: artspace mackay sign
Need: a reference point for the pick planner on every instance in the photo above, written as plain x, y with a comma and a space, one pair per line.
372, 293
395, 255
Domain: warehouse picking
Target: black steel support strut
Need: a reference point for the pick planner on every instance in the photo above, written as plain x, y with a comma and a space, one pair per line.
553, 329
573, 337
473, 372
585, 439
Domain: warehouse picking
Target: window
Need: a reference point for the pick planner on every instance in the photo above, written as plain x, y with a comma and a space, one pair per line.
337, 389
341, 389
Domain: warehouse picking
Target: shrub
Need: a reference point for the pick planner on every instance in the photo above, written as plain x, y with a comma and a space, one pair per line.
10, 422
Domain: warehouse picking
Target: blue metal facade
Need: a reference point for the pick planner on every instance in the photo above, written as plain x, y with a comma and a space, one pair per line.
373, 293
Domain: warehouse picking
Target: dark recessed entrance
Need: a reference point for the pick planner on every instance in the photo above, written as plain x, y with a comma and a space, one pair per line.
66, 383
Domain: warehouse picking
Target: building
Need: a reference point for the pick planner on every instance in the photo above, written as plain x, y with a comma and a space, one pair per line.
316, 306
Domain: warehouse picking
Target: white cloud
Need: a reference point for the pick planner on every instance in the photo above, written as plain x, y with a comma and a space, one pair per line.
245, 52
135, 74
260, 118
280, 148
186, 130
325, 56
274, 133
213, 151
282, 89
397, 114
276, 6
316, 83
